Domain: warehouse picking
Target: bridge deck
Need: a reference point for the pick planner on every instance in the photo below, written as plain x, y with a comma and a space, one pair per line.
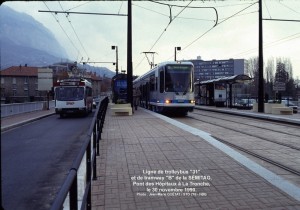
148, 163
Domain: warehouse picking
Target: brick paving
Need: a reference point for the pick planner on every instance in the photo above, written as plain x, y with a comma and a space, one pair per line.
135, 147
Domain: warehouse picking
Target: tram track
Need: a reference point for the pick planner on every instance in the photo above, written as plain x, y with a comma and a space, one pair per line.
265, 128
283, 164
249, 134
280, 165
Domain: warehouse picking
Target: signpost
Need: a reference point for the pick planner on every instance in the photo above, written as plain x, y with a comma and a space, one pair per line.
279, 86
45, 81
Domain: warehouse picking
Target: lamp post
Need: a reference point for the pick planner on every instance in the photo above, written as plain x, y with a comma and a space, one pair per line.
177, 48
116, 48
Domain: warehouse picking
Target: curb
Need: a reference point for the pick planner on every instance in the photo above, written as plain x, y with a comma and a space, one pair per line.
273, 118
9, 127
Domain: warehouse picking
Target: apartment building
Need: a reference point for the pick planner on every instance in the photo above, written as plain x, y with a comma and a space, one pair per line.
20, 84
213, 69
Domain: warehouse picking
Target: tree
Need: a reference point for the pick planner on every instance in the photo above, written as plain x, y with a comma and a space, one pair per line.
269, 75
252, 72
284, 73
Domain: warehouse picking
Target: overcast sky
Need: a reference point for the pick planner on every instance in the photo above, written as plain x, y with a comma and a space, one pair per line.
235, 35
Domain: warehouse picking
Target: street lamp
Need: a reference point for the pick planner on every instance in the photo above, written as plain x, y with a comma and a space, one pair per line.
177, 48
116, 48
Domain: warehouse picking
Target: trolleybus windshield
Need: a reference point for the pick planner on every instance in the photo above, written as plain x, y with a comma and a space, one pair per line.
178, 78
69, 93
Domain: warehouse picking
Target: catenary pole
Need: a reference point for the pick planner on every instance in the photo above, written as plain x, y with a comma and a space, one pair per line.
129, 55
260, 63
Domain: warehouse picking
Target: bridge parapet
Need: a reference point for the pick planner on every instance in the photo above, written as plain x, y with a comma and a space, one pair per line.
18, 108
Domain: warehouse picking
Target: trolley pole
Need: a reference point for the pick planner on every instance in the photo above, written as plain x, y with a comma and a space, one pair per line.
176, 48
129, 55
260, 63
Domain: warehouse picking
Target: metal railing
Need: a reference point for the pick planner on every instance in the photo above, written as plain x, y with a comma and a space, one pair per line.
76, 189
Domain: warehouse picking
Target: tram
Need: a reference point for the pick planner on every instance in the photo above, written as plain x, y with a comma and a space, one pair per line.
167, 88
119, 88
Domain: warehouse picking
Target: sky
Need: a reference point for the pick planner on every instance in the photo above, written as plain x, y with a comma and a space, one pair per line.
192, 27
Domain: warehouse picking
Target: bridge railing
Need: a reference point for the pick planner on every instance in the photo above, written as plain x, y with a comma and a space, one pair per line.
18, 108
76, 189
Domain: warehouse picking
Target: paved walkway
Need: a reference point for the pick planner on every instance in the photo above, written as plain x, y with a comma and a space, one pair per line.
148, 163
20, 119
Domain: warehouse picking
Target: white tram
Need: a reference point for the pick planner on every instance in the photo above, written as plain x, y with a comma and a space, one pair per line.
167, 88
73, 96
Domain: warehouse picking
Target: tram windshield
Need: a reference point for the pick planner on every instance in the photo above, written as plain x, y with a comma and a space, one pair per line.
178, 78
69, 93
121, 86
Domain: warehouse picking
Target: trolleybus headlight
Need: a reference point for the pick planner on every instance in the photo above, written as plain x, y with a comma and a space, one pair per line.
192, 101
168, 101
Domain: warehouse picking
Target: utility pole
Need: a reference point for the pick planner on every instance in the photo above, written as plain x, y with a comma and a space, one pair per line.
260, 63
129, 55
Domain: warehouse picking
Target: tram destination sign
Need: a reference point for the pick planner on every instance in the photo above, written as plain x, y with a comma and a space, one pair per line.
279, 86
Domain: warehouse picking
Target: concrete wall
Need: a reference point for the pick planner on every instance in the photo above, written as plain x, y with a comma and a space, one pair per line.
18, 108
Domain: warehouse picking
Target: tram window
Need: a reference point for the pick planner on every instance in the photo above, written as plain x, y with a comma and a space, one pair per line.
152, 82
161, 81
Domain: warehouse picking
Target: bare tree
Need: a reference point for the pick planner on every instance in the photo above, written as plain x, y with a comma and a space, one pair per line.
253, 73
270, 70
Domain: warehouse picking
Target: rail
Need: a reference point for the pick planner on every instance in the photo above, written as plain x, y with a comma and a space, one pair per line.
76, 189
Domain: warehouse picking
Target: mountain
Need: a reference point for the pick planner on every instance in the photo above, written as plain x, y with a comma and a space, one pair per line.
101, 71
23, 40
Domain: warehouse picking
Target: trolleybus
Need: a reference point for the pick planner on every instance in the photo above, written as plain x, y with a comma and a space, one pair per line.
73, 96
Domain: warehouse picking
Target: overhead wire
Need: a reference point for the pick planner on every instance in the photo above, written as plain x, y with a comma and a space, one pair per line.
79, 5
225, 19
120, 7
267, 8
289, 8
150, 10
164, 30
271, 44
248, 13
169, 25
63, 29
67, 16
276, 42
200, 19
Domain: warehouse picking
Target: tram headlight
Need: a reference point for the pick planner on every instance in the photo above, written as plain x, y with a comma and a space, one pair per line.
192, 101
168, 101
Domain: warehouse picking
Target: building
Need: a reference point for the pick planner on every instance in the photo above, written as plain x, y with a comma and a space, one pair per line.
213, 69
19, 84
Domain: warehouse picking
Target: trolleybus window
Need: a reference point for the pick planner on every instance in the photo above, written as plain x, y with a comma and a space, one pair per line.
178, 78
69, 93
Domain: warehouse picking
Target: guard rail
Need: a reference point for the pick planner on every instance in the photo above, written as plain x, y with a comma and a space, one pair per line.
18, 108
76, 189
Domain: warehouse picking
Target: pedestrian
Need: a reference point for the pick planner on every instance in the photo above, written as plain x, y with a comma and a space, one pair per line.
136, 97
